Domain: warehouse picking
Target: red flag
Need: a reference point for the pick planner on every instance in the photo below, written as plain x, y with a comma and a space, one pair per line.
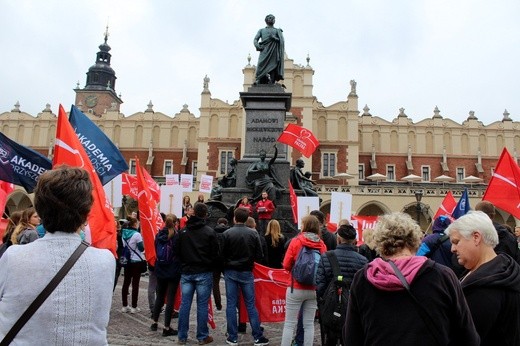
149, 216
300, 139
155, 190
447, 206
331, 226
503, 189
294, 203
129, 186
5, 189
68, 150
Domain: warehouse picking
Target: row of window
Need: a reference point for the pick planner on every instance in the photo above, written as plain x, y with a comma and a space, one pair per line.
328, 168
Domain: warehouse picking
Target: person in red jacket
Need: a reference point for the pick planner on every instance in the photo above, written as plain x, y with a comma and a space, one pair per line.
265, 209
299, 295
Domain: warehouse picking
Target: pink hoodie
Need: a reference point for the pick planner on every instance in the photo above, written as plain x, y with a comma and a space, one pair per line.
381, 275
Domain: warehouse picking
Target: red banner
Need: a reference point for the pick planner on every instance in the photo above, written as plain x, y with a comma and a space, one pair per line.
129, 185
447, 206
69, 150
5, 189
503, 189
270, 288
149, 216
300, 139
361, 222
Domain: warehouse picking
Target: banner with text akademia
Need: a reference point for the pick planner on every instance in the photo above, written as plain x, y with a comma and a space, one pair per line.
363, 222
270, 287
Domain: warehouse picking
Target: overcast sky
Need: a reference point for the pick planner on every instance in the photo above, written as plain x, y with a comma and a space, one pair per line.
458, 55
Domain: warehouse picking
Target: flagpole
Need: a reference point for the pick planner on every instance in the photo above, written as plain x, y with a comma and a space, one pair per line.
171, 203
340, 211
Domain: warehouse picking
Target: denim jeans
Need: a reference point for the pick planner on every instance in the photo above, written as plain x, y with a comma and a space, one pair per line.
305, 299
201, 283
244, 281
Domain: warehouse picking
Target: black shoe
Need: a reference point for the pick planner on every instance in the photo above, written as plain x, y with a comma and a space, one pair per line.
169, 332
242, 328
153, 327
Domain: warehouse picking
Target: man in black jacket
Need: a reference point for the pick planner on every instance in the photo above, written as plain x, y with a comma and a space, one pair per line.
350, 261
241, 248
198, 252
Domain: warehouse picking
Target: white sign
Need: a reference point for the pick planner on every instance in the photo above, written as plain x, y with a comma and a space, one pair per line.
187, 182
206, 183
340, 206
114, 191
305, 206
171, 200
172, 179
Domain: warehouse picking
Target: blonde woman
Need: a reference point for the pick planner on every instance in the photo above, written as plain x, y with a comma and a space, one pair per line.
25, 232
367, 249
275, 244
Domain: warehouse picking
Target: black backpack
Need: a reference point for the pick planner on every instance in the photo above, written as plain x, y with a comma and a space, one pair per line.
333, 304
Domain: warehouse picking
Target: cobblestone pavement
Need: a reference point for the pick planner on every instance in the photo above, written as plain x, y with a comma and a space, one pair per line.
134, 329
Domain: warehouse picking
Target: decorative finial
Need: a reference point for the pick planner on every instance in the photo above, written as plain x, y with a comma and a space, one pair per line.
308, 60
249, 59
150, 107
185, 108
106, 35
437, 113
47, 108
401, 112
472, 115
366, 111
77, 85
206, 83
353, 85
506, 116
16, 107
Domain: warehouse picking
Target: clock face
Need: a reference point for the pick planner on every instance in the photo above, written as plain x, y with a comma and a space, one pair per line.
91, 101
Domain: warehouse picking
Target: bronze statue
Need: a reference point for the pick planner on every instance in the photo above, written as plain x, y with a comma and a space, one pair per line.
228, 180
270, 43
302, 181
261, 176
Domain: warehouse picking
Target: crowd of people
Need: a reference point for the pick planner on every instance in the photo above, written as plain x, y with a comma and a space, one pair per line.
458, 285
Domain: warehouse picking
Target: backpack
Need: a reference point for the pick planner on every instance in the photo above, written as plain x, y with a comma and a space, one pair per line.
124, 259
164, 251
436, 245
306, 266
333, 304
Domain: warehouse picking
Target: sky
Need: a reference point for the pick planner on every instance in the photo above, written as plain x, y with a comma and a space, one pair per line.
459, 55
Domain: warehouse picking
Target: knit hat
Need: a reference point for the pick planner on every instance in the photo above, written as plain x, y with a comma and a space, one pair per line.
440, 224
347, 232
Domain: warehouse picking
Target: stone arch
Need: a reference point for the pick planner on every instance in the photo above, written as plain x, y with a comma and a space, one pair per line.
192, 137
322, 128
429, 142
361, 145
233, 126
394, 142
500, 143
412, 141
213, 126
297, 86
17, 200
117, 134
482, 144
5, 130
464, 143
425, 215
138, 139
19, 133
156, 135
35, 136
342, 128
448, 143
376, 140
373, 208
174, 137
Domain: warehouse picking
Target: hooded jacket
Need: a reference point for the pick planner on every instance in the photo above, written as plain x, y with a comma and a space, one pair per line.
198, 247
308, 239
381, 311
493, 295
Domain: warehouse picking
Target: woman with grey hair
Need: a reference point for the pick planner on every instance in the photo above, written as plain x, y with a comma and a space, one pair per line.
426, 296
492, 282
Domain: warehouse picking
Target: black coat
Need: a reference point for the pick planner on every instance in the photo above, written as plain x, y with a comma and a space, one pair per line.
241, 248
350, 261
198, 247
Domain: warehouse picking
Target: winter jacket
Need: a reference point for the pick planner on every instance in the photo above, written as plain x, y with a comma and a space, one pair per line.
367, 252
441, 253
328, 238
493, 295
506, 242
381, 311
170, 270
268, 205
241, 248
275, 253
198, 247
308, 239
350, 261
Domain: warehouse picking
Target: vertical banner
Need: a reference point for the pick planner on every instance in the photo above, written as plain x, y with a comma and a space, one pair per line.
114, 191
187, 182
340, 206
305, 206
206, 183
171, 200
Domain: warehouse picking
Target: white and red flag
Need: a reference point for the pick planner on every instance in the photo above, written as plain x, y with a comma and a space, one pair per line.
503, 188
68, 150
149, 216
447, 206
300, 139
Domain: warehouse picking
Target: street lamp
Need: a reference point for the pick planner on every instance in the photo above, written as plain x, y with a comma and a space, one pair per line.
418, 197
